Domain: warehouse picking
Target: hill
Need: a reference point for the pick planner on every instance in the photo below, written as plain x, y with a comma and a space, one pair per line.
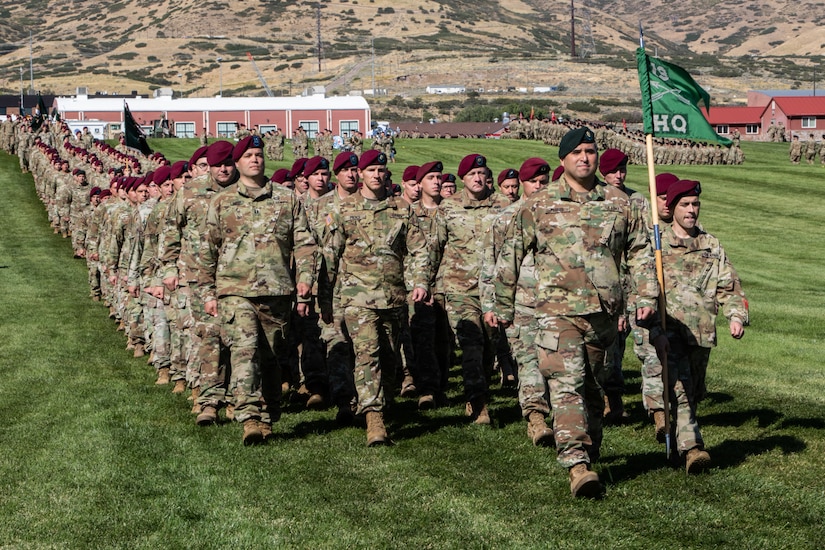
200, 48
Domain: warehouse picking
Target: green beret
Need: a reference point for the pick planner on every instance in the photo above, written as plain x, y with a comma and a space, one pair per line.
573, 138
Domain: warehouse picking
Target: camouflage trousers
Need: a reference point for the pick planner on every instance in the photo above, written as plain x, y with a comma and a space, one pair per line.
177, 351
686, 366
611, 378
375, 337
155, 316
255, 332
185, 323
340, 359
476, 340
652, 386
94, 278
532, 387
204, 369
570, 351
313, 365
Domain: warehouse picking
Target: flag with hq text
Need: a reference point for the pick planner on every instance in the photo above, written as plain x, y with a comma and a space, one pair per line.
670, 102
135, 138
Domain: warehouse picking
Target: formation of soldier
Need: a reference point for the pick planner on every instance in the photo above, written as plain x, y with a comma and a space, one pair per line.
245, 290
808, 149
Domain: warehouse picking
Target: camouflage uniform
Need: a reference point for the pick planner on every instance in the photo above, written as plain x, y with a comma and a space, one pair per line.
578, 241
252, 236
699, 279
370, 242
461, 223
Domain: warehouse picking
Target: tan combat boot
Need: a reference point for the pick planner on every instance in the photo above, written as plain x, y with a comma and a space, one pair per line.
139, 350
583, 482
266, 429
477, 411
315, 401
408, 388
252, 434
207, 416
229, 411
659, 424
180, 386
537, 429
196, 407
376, 432
163, 376
426, 402
696, 461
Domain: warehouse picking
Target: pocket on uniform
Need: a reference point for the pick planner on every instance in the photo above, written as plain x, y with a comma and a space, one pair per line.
548, 340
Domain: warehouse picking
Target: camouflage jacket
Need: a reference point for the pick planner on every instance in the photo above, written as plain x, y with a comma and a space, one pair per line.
461, 224
493, 240
378, 250
118, 220
149, 263
184, 227
250, 239
699, 279
578, 241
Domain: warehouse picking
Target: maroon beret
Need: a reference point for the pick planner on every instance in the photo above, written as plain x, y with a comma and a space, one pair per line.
148, 177
372, 157
557, 173
682, 188
507, 174
178, 169
410, 172
162, 174
532, 167
105, 193
297, 167
347, 159
219, 152
198, 154
469, 162
432, 166
281, 175
249, 142
611, 160
664, 181
314, 164
448, 177
94, 191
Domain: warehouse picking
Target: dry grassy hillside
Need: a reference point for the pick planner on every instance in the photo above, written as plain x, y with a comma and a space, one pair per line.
119, 46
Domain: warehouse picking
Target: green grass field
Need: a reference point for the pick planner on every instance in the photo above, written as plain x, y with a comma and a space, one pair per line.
94, 455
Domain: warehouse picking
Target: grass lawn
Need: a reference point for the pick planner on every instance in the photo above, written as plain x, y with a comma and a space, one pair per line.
94, 455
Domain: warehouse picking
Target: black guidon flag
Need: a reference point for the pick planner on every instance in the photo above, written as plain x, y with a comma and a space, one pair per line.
135, 138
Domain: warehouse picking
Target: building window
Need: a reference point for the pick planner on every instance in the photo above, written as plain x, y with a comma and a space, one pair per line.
310, 127
722, 129
185, 129
809, 122
348, 127
752, 129
264, 128
227, 129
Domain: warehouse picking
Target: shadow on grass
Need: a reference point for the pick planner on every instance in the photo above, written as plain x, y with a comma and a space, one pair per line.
813, 423
733, 452
764, 417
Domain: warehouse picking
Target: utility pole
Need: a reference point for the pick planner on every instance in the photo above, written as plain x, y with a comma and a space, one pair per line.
572, 30
372, 47
31, 64
22, 108
220, 73
318, 25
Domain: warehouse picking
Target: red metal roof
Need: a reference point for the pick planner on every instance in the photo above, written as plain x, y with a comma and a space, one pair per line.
801, 106
734, 115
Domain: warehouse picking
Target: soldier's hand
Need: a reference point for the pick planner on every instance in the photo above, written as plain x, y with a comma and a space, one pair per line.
644, 313
113, 279
94, 257
211, 308
133, 290
420, 294
303, 309
491, 319
171, 283
623, 323
303, 290
736, 329
81, 253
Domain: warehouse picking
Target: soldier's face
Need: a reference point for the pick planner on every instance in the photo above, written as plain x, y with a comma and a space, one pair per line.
447, 189
664, 212
168, 187
223, 173
475, 181
412, 190
686, 213
141, 193
374, 177
534, 184
154, 190
251, 163
200, 167
617, 177
509, 188
580, 163
319, 181
348, 179
431, 185
301, 184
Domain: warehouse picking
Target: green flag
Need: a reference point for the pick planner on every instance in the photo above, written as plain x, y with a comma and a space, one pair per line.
135, 138
670, 102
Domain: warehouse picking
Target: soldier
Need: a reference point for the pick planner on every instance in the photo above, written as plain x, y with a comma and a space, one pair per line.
254, 230
241, 132
534, 175
810, 149
795, 151
578, 231
372, 236
448, 185
699, 280
278, 145
508, 183
460, 224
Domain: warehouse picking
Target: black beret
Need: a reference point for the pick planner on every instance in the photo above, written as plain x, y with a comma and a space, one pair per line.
574, 138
